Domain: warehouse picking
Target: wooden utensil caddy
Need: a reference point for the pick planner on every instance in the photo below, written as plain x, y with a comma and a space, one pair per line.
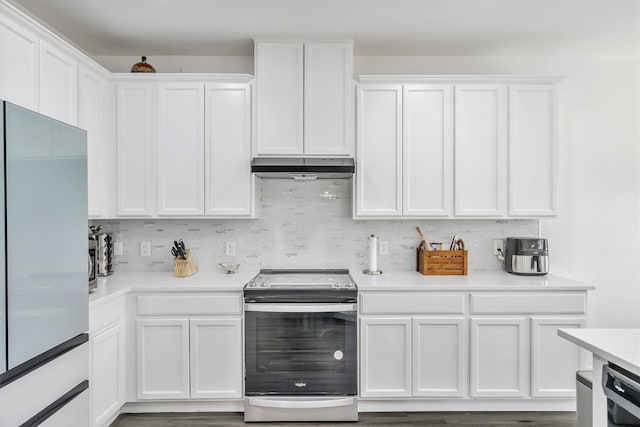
441, 262
185, 267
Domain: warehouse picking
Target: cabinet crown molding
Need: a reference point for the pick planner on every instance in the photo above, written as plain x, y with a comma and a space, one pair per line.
300, 40
182, 77
439, 78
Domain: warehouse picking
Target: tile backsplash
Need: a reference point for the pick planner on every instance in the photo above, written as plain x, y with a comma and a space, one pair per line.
304, 225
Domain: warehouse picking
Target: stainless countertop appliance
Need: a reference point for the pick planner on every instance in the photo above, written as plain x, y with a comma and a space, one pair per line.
622, 389
301, 350
527, 256
104, 250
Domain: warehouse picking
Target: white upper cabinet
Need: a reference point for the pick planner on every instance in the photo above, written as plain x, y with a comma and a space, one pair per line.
135, 152
404, 150
92, 118
328, 98
180, 147
58, 84
19, 70
379, 147
184, 147
229, 185
427, 144
480, 150
532, 150
303, 98
279, 97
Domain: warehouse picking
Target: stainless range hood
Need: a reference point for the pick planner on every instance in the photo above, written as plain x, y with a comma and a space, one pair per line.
302, 168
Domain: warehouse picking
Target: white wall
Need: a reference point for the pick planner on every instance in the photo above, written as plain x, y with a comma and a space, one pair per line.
595, 238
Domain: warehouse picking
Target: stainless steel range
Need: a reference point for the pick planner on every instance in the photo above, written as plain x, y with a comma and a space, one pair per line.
301, 351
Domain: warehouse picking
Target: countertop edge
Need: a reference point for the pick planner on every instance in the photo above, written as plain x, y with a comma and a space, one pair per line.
597, 350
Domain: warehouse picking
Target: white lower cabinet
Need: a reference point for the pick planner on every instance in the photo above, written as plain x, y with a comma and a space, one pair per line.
181, 358
163, 358
497, 346
439, 356
107, 374
499, 357
215, 358
399, 358
385, 344
107, 367
554, 360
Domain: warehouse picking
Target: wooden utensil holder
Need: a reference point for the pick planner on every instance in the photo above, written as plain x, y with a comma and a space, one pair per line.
185, 267
441, 262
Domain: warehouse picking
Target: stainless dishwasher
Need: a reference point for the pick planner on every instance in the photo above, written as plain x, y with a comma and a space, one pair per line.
622, 389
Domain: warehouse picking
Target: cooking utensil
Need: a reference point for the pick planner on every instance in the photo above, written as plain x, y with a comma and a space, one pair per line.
423, 244
179, 250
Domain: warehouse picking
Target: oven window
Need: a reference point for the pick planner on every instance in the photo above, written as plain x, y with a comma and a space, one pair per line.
301, 342
301, 353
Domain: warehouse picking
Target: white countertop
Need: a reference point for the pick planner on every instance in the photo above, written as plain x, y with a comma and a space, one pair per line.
121, 283
475, 281
619, 346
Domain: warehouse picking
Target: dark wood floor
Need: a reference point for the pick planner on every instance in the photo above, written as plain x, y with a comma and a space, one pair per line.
422, 419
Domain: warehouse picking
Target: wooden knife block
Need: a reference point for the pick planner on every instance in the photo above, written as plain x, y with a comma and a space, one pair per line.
185, 267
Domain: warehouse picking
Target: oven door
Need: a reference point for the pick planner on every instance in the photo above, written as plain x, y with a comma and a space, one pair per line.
300, 349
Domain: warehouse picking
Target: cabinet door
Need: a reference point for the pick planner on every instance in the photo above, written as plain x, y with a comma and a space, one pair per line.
107, 374
532, 150
385, 344
58, 84
427, 144
19, 64
135, 152
279, 97
216, 358
162, 359
229, 185
379, 151
328, 98
480, 150
180, 148
439, 356
499, 362
554, 361
91, 117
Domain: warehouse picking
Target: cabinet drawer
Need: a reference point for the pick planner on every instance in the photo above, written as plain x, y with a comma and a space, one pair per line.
102, 317
412, 302
197, 304
528, 302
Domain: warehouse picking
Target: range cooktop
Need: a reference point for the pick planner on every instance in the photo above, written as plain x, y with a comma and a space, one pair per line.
297, 285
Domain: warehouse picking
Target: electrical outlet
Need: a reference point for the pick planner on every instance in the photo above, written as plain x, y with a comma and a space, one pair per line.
117, 249
384, 247
145, 248
230, 248
498, 244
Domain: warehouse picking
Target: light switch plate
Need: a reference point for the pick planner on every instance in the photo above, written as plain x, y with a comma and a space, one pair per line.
117, 249
384, 247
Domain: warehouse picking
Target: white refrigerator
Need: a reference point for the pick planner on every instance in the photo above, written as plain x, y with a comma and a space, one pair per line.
43, 241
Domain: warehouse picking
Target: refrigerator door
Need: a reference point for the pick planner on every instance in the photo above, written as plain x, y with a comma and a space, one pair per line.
46, 241
3, 277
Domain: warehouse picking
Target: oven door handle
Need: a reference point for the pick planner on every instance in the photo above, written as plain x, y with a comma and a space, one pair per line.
300, 308
300, 404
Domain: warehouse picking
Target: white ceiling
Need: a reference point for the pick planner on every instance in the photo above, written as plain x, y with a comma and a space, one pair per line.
379, 27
